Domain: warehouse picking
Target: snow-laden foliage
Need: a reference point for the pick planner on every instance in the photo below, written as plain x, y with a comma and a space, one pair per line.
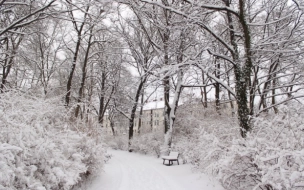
271, 157
201, 138
148, 143
119, 142
40, 148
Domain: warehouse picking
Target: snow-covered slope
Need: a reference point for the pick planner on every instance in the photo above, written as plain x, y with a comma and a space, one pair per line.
132, 171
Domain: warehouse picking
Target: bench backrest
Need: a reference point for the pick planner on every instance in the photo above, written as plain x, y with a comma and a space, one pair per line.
174, 154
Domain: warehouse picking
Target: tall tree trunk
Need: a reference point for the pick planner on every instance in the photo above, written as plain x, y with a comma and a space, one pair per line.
75, 57
111, 117
9, 61
178, 90
133, 111
166, 83
69, 83
241, 76
273, 100
101, 99
168, 135
272, 70
217, 87
141, 111
84, 74
204, 92
252, 90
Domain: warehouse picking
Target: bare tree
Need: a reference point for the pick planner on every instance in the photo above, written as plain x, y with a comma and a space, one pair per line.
141, 56
41, 51
246, 46
80, 30
15, 18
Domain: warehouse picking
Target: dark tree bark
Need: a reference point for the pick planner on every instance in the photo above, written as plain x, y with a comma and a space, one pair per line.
102, 98
242, 76
133, 111
166, 82
141, 111
103, 103
204, 91
84, 73
217, 86
9, 60
75, 57
273, 98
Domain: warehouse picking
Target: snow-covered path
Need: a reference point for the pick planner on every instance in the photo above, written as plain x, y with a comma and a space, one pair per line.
132, 171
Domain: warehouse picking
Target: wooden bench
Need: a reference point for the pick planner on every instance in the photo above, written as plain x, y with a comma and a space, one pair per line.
173, 156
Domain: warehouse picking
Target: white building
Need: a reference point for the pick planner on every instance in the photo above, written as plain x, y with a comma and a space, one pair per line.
152, 119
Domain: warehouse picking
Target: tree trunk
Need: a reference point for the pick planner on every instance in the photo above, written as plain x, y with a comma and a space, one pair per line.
84, 74
217, 87
167, 108
69, 83
141, 111
241, 75
173, 107
166, 80
168, 135
133, 111
101, 99
78, 43
112, 125
273, 100
204, 92
9, 61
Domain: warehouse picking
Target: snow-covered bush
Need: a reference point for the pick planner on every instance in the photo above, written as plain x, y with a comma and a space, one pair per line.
148, 143
118, 142
203, 136
270, 158
40, 148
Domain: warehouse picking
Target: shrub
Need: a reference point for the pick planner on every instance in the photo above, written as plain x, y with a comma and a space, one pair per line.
119, 142
40, 148
270, 158
148, 143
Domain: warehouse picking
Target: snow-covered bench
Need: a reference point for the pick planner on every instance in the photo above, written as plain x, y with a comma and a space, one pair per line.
173, 156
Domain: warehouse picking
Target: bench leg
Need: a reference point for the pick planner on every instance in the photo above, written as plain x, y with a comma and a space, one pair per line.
164, 162
177, 162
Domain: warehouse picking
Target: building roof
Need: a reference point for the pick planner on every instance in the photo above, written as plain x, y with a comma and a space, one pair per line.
154, 105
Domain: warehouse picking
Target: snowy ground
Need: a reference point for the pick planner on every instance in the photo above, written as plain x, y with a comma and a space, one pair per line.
132, 171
